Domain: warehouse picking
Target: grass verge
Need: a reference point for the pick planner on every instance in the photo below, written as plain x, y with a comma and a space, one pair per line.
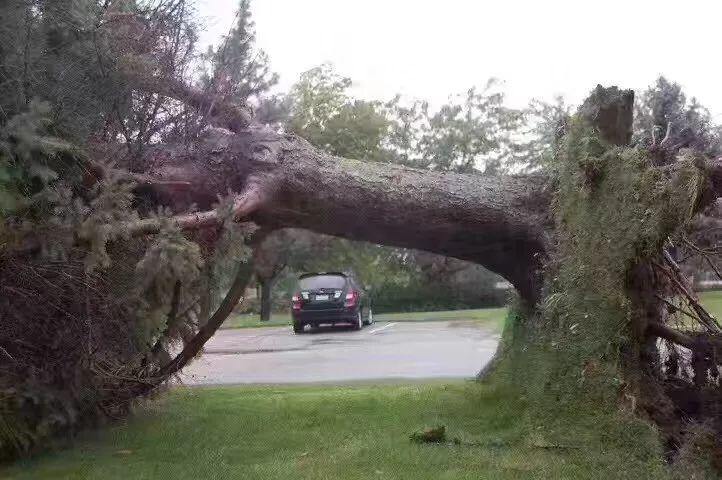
492, 316
358, 432
712, 301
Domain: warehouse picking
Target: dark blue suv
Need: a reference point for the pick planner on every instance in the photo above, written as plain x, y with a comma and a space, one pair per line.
330, 298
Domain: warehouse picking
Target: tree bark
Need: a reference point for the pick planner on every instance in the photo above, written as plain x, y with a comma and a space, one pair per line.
266, 304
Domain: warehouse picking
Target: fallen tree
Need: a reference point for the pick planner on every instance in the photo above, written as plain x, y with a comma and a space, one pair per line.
524, 228
501, 222
516, 226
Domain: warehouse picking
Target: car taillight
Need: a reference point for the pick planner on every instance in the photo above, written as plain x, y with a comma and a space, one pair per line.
296, 301
351, 298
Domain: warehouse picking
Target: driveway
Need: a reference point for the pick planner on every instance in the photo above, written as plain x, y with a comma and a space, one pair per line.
382, 351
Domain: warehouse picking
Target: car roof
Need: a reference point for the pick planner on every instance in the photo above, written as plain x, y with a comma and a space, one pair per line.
316, 274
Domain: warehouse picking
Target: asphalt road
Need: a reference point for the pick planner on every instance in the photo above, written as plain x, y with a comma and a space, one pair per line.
382, 351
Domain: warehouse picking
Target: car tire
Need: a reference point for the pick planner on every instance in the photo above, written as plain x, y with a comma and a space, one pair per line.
369, 317
359, 324
298, 328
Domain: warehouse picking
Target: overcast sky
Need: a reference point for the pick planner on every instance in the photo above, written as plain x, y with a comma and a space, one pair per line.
430, 49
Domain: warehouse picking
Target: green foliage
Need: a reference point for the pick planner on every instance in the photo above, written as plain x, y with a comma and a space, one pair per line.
325, 115
237, 70
31, 160
110, 204
230, 250
169, 258
471, 133
413, 293
50, 53
534, 147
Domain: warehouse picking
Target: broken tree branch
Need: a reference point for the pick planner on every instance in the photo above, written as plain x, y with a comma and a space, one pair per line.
194, 346
235, 117
244, 205
676, 307
704, 255
668, 333
704, 317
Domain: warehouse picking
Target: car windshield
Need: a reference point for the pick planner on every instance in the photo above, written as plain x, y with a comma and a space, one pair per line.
322, 281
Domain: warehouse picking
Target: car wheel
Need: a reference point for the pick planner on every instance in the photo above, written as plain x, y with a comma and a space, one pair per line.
359, 324
298, 327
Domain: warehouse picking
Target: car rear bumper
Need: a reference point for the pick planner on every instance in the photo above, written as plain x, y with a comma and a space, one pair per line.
331, 316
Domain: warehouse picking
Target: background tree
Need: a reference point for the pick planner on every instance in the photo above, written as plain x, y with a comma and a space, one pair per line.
544, 125
323, 112
237, 70
471, 133
282, 253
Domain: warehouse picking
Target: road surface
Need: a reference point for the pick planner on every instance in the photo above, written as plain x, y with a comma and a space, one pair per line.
382, 351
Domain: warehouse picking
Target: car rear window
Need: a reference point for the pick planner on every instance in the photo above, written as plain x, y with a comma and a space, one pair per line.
322, 281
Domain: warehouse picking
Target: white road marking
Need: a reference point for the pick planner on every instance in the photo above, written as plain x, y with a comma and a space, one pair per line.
382, 328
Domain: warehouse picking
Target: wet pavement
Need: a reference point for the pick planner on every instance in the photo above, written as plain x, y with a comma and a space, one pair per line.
382, 351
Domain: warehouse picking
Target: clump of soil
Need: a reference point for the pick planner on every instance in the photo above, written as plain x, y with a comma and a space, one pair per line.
430, 435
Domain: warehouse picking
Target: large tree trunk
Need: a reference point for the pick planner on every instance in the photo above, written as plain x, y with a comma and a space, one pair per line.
270, 260
499, 222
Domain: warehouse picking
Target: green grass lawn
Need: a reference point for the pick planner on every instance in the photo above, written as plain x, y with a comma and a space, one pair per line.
359, 432
712, 301
488, 316
251, 320
494, 317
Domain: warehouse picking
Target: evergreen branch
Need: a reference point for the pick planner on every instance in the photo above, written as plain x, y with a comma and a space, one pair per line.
243, 206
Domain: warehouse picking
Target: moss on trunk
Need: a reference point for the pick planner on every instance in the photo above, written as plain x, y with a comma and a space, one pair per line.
585, 347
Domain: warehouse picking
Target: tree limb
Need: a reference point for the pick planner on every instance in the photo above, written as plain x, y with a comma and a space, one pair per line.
704, 255
194, 346
704, 317
668, 333
234, 117
243, 205
170, 319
